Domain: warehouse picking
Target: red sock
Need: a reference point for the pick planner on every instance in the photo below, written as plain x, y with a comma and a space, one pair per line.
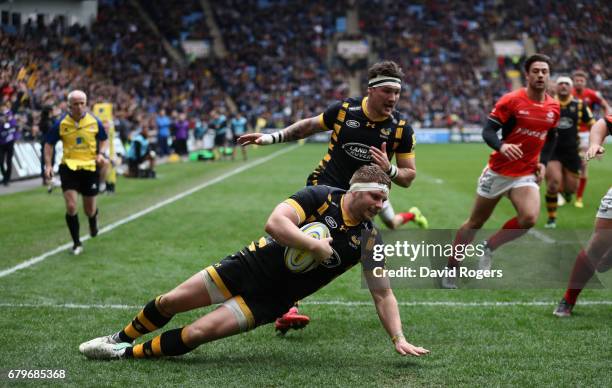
406, 217
510, 231
581, 273
463, 237
581, 186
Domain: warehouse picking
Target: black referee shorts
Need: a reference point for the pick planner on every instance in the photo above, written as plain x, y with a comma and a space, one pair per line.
83, 181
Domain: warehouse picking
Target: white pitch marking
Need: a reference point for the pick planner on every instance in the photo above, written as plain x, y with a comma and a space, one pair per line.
108, 228
541, 236
321, 303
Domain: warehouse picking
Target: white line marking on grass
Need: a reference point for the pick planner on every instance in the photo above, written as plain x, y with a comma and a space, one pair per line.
429, 178
541, 236
108, 228
322, 303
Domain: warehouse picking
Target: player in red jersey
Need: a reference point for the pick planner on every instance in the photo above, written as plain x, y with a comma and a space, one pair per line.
525, 117
597, 256
590, 97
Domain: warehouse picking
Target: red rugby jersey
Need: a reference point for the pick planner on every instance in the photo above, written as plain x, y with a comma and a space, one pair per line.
589, 97
525, 122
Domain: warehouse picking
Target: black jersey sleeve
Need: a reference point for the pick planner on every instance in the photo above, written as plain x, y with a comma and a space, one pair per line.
307, 201
489, 134
330, 114
587, 116
608, 120
549, 146
372, 255
405, 149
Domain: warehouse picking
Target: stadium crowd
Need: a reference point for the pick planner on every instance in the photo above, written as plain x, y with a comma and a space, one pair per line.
286, 68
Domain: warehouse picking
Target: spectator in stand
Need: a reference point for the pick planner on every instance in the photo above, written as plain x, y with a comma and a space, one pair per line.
181, 133
138, 153
238, 125
9, 133
219, 124
163, 133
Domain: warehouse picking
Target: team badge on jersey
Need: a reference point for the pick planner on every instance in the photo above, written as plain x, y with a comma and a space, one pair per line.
332, 261
385, 132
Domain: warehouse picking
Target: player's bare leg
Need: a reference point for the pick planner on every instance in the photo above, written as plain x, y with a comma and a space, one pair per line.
189, 295
526, 202
596, 257
481, 212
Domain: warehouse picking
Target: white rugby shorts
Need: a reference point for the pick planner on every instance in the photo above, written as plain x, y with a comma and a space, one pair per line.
605, 207
492, 185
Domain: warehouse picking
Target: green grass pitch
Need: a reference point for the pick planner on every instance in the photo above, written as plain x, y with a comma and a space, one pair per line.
48, 309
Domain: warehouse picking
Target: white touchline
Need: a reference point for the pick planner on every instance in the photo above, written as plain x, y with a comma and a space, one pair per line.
321, 303
541, 236
108, 228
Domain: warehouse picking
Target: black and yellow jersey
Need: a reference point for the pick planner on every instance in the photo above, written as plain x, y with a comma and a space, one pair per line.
79, 139
353, 133
268, 274
573, 113
608, 120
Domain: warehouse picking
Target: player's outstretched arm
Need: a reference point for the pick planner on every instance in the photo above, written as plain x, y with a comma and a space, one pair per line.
598, 133
298, 130
388, 313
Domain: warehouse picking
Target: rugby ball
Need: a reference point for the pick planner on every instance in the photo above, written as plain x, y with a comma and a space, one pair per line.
300, 261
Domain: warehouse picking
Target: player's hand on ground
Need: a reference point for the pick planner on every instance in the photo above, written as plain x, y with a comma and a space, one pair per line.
594, 151
540, 173
379, 157
511, 151
407, 349
322, 249
48, 172
250, 138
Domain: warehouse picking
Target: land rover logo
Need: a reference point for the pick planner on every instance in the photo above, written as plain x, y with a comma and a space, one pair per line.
353, 123
565, 123
358, 151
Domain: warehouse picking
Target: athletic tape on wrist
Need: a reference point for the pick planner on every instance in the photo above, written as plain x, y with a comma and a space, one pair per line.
393, 171
272, 138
